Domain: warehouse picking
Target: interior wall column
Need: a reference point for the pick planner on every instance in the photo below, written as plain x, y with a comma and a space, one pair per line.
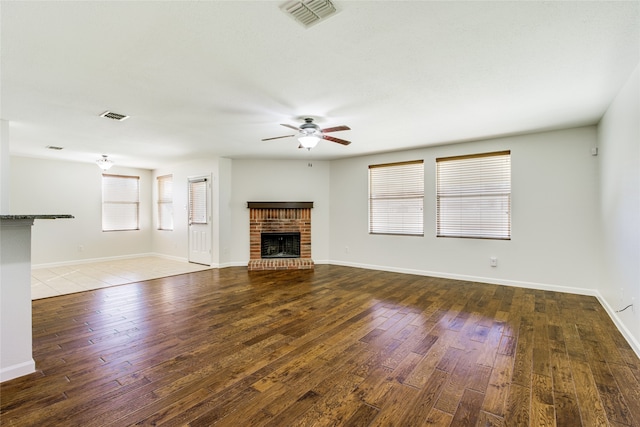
5, 181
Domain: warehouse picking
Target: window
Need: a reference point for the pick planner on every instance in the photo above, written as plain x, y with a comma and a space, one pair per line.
473, 196
396, 198
165, 202
120, 202
198, 201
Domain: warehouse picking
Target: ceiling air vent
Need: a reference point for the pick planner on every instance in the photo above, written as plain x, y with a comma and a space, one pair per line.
53, 147
114, 116
309, 12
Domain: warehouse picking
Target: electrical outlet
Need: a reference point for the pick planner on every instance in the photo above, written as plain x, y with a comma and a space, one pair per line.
493, 261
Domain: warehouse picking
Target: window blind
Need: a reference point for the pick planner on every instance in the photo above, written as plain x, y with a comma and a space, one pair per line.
165, 202
198, 201
396, 198
120, 202
473, 196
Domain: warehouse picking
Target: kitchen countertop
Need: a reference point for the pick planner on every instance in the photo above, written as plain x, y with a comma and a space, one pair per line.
40, 216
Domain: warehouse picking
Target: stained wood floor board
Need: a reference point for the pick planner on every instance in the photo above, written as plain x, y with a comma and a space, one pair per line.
331, 346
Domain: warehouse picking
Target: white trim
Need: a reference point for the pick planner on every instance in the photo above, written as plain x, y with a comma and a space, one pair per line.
633, 342
112, 258
92, 260
233, 264
635, 345
17, 370
208, 179
489, 280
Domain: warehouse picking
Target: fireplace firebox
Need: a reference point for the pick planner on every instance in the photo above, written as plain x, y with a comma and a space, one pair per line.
280, 245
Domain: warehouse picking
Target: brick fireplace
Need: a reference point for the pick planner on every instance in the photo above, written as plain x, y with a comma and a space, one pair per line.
279, 217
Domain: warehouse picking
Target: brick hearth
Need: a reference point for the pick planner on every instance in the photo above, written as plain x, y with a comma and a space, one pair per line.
280, 217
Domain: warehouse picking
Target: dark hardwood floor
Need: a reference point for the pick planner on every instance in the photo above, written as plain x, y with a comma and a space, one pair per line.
334, 346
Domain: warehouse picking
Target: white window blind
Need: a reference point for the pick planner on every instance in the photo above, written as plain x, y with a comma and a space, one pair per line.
165, 202
120, 202
198, 201
473, 196
396, 198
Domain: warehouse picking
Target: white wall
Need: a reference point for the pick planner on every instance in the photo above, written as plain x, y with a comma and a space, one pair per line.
5, 167
619, 154
40, 186
283, 181
555, 240
575, 216
225, 192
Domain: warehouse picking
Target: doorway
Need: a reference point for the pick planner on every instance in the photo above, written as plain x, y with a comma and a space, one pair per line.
200, 220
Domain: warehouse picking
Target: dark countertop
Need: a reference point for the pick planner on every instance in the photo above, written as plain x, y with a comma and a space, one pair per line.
43, 216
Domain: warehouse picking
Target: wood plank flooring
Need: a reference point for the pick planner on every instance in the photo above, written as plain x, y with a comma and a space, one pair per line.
335, 346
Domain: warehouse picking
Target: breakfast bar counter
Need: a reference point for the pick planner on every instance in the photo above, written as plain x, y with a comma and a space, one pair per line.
15, 294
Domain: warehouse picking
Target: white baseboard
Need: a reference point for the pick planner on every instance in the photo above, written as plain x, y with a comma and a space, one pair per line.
17, 370
103, 259
132, 256
489, 280
633, 342
233, 264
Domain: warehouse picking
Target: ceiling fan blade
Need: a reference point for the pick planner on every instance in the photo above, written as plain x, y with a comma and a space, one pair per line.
290, 127
278, 137
336, 129
338, 140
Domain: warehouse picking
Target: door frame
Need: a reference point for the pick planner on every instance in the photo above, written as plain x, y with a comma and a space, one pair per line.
208, 226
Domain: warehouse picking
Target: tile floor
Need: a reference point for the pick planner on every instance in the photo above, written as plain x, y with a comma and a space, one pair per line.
52, 281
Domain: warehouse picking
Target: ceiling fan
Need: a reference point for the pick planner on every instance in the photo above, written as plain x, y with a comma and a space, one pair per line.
310, 134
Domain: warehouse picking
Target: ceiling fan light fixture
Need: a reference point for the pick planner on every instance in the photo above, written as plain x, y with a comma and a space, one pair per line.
104, 163
308, 141
309, 134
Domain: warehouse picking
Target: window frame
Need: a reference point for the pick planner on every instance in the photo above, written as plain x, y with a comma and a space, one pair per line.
198, 210
165, 202
480, 189
120, 199
396, 203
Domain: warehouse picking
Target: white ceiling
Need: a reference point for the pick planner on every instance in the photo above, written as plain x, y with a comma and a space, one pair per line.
215, 77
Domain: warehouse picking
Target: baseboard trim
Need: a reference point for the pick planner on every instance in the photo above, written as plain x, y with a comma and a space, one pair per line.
17, 370
631, 340
132, 256
103, 259
112, 258
489, 280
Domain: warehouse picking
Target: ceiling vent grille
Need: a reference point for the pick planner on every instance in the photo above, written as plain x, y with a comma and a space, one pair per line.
309, 12
53, 147
114, 116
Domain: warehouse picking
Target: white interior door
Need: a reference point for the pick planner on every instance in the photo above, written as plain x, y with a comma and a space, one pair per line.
199, 220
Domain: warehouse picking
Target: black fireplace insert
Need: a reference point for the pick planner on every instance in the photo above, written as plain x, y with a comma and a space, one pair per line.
280, 245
